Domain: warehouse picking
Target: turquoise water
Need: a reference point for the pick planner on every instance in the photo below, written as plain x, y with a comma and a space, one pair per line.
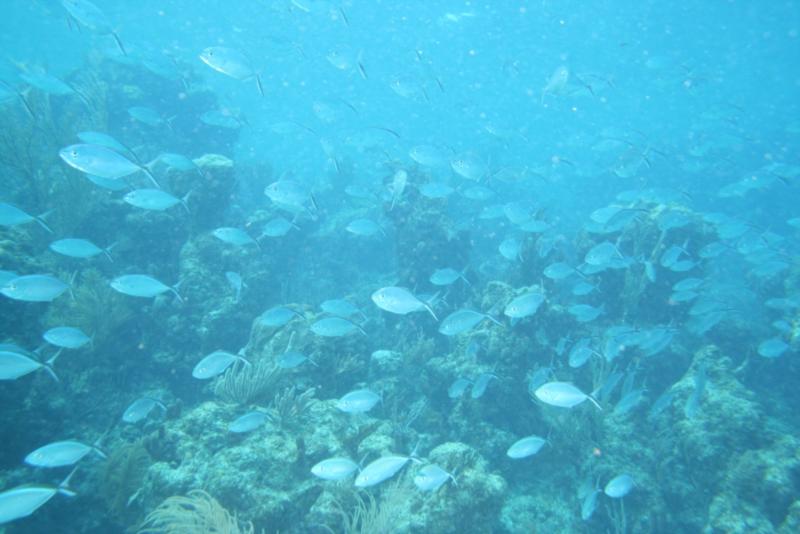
295, 266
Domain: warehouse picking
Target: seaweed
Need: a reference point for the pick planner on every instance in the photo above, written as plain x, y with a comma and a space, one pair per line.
122, 478
195, 513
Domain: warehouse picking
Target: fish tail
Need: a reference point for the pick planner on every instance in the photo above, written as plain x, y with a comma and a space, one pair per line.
258, 84
177, 295
594, 401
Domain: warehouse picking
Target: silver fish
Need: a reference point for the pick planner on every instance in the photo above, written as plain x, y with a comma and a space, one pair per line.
11, 215
78, 248
14, 365
231, 62
34, 288
234, 236
61, 453
66, 337
141, 408
22, 501
335, 327
215, 364
153, 199
248, 422
141, 285
400, 301
334, 468
563, 395
462, 321
432, 477
102, 161
381, 469
358, 401
526, 447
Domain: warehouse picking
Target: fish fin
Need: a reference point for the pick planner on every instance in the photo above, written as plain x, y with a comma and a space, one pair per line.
40, 220
145, 169
119, 43
107, 251
177, 295
64, 488
258, 84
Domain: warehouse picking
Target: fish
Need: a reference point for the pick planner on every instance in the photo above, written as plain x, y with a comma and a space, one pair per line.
559, 271
11, 215
380, 470
434, 190
66, 337
458, 387
292, 359
147, 116
589, 504
248, 422
446, 276
693, 402
663, 402
400, 301
432, 477
358, 401
22, 501
525, 305
14, 365
79, 248
427, 156
480, 384
231, 62
364, 227
103, 139
525, 447
47, 83
340, 307
511, 249
153, 199
557, 82
772, 348
619, 486
469, 165
178, 162
61, 453
236, 282
462, 321
278, 316
98, 160
215, 364
139, 409
335, 327
584, 313
277, 227
580, 353
292, 196
334, 468
234, 236
563, 395
602, 254
34, 288
629, 401
141, 285
222, 119
92, 17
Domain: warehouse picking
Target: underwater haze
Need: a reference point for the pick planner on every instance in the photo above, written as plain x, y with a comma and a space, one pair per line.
341, 266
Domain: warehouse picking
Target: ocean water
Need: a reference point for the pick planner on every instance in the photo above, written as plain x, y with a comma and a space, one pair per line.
417, 267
